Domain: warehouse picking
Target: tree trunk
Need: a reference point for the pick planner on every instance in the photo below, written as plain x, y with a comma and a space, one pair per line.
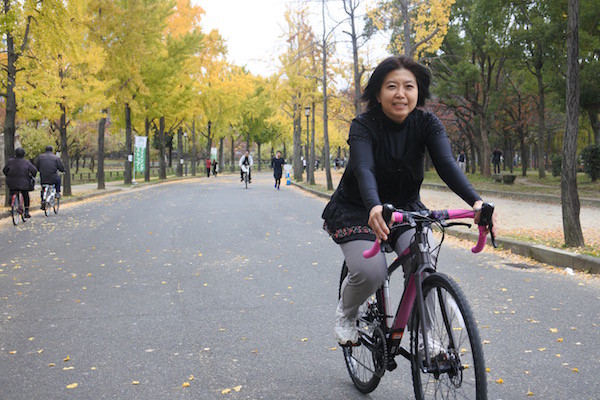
101, 131
162, 163
221, 156
312, 146
11, 100
64, 151
325, 117
259, 156
147, 151
541, 109
208, 141
408, 51
128, 145
486, 169
568, 183
595, 122
307, 159
232, 167
179, 171
297, 144
350, 10
194, 149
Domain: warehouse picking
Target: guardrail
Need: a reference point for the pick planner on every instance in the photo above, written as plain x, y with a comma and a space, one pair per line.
112, 175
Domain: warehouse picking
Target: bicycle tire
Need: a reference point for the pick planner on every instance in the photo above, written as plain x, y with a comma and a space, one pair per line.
365, 362
14, 209
246, 179
56, 205
44, 202
459, 370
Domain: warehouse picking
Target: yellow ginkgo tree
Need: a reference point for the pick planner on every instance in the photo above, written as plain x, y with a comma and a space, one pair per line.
417, 27
60, 80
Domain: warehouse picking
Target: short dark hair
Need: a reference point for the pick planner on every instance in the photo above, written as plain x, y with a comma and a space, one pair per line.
421, 73
49, 148
20, 153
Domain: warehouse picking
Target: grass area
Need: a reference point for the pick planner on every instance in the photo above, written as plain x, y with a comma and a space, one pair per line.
550, 185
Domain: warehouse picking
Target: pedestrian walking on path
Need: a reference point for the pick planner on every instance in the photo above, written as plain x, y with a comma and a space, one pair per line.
277, 165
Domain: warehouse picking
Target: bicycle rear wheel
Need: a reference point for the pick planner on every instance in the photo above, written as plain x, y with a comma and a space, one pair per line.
14, 209
45, 202
56, 205
366, 361
457, 363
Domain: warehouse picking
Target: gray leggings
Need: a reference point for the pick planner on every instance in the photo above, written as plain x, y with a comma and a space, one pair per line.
366, 275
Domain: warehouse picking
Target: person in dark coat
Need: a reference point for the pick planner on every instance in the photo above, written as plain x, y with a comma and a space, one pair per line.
277, 165
18, 171
49, 165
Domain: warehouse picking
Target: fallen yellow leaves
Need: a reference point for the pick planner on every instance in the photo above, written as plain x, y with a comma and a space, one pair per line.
530, 393
72, 385
500, 381
185, 384
67, 358
135, 382
553, 330
235, 389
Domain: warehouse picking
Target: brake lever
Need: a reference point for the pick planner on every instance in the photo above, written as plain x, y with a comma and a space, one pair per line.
485, 219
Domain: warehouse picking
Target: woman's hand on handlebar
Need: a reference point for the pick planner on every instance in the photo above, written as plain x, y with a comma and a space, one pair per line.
477, 208
378, 224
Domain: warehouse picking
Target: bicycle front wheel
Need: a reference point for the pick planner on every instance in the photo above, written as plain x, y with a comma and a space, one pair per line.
365, 361
246, 179
457, 366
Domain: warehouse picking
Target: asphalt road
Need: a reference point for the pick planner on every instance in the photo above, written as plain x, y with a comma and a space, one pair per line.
132, 295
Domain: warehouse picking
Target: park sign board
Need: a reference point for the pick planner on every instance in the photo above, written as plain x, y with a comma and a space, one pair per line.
139, 163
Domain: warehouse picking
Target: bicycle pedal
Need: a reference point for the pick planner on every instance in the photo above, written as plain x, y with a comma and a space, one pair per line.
391, 365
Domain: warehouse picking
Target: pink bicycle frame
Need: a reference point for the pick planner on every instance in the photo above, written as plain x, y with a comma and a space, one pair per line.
399, 322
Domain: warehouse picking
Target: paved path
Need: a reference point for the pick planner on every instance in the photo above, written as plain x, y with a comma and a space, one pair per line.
130, 295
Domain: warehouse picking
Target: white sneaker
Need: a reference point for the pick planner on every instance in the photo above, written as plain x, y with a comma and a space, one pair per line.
345, 328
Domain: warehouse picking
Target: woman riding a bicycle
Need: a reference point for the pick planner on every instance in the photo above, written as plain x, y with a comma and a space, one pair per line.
18, 171
387, 149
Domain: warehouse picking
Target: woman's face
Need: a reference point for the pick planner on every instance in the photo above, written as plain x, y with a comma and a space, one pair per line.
398, 94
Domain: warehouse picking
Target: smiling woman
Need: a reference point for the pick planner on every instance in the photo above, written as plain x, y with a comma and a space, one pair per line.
387, 147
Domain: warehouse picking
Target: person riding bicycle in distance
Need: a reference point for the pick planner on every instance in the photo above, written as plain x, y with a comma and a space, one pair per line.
387, 150
17, 171
49, 165
246, 161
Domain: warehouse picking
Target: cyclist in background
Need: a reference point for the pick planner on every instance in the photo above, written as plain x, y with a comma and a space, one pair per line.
246, 160
17, 171
49, 165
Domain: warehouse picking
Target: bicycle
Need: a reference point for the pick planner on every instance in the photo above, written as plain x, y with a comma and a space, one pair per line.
17, 208
432, 307
246, 171
50, 199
